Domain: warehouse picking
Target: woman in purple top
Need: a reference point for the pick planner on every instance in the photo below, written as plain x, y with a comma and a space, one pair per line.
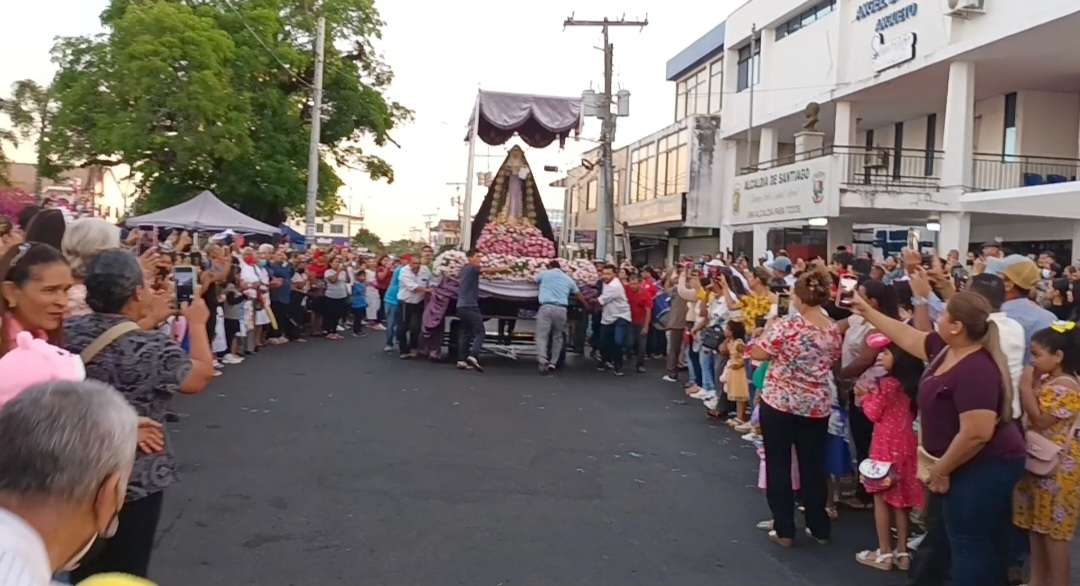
966, 424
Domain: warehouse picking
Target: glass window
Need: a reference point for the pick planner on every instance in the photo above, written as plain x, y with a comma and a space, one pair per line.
575, 207
650, 171
318, 227
749, 63
590, 195
805, 19
662, 170
680, 100
682, 176
1010, 146
716, 86
337, 229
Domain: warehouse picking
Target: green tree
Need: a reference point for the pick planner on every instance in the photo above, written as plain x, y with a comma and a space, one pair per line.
403, 246
365, 238
31, 109
216, 95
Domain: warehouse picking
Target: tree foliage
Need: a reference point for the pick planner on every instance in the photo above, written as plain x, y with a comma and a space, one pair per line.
216, 94
403, 246
31, 109
365, 238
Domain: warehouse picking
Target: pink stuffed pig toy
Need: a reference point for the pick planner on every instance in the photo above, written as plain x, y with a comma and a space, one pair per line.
33, 361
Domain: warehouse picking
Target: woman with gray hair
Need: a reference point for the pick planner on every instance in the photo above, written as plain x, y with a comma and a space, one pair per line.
67, 457
83, 239
148, 368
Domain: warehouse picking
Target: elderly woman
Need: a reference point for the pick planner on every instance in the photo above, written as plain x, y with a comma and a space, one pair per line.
796, 403
148, 368
83, 239
972, 452
67, 457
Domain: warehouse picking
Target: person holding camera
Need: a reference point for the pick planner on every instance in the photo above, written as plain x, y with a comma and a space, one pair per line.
148, 369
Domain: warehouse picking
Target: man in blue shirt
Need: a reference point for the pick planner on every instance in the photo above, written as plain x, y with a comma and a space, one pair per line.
555, 290
1021, 275
281, 273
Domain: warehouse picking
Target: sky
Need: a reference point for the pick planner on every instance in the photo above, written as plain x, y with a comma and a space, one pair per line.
441, 54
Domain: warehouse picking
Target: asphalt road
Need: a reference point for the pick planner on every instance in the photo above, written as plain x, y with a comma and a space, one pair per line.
333, 463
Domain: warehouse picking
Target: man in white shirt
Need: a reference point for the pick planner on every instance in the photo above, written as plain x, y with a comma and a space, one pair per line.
1011, 335
614, 320
413, 286
68, 452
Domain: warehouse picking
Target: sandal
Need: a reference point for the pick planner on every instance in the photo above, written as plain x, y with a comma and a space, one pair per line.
785, 542
875, 559
902, 560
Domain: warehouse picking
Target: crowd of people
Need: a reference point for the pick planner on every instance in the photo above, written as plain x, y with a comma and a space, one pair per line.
940, 392
100, 330
930, 389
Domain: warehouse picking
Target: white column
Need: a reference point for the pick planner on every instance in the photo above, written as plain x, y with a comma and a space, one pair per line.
840, 231
768, 146
761, 241
955, 233
727, 238
844, 128
1076, 240
956, 169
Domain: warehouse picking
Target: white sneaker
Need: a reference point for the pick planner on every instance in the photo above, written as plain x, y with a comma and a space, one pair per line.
378, 327
231, 359
669, 379
752, 437
710, 396
699, 394
218, 364
388, 349
744, 427
914, 543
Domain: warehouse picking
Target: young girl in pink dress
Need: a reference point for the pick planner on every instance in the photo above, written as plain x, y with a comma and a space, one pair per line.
892, 407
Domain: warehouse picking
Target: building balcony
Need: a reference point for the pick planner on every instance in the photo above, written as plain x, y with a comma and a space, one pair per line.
872, 167
993, 172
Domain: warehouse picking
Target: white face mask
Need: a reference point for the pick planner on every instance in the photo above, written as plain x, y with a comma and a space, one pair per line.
1046, 273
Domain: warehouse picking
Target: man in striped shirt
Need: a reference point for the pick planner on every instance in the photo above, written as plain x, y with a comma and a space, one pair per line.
68, 452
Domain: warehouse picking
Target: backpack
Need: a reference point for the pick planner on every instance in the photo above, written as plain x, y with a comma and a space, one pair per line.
661, 308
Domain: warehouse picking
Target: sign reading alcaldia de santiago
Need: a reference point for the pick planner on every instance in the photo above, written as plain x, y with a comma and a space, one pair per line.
792, 192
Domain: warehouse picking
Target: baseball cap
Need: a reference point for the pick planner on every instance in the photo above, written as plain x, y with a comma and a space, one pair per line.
1019, 269
781, 263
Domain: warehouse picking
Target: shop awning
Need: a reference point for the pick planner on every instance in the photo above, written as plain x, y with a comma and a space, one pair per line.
538, 120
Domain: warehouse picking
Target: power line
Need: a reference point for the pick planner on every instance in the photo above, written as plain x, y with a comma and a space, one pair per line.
269, 51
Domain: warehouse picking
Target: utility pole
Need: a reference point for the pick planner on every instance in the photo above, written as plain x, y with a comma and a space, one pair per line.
605, 231
752, 67
316, 123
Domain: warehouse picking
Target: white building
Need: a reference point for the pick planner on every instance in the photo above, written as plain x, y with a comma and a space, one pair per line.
964, 118
337, 230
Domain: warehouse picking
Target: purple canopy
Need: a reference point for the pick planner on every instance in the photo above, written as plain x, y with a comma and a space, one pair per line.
539, 120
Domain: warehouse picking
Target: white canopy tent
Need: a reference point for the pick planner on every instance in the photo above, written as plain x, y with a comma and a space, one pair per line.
204, 212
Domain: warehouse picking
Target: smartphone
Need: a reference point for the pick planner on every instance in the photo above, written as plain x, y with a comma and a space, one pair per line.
847, 290
184, 277
783, 303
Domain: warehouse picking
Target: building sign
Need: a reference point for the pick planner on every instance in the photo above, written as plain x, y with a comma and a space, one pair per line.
874, 8
792, 192
888, 54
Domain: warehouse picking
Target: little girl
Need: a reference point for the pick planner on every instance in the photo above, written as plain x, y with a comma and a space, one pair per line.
734, 376
891, 407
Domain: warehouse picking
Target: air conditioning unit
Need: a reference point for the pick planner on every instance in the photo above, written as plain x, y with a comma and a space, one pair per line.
964, 8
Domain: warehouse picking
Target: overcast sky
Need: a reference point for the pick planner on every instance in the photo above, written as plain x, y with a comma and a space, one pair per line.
441, 53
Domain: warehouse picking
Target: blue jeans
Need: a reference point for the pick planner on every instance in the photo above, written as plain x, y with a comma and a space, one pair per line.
693, 362
708, 369
614, 338
391, 322
978, 518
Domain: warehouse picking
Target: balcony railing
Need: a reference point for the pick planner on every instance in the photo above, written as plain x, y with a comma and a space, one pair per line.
998, 171
890, 167
873, 166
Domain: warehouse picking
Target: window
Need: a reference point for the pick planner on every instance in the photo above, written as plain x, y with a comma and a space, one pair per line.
692, 95
716, 86
337, 228
575, 205
650, 171
680, 100
898, 144
748, 64
318, 227
805, 18
682, 175
640, 187
668, 179
1009, 147
590, 195
931, 140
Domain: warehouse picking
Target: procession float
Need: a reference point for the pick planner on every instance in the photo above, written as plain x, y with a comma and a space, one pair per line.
513, 232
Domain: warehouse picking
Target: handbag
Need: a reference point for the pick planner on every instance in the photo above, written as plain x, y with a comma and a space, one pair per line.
1043, 455
711, 337
106, 338
876, 476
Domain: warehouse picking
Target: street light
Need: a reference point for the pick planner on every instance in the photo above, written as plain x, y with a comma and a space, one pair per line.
818, 222
933, 226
